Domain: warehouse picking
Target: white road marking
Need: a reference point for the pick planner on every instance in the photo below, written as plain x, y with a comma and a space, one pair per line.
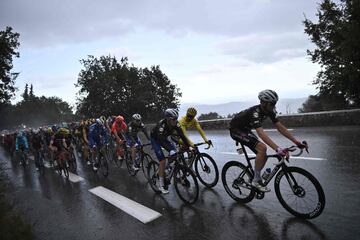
75, 178
292, 157
273, 130
138, 211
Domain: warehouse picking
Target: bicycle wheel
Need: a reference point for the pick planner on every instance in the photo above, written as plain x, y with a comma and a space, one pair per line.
236, 179
145, 161
72, 163
41, 167
186, 184
129, 164
104, 167
65, 169
153, 169
206, 170
299, 192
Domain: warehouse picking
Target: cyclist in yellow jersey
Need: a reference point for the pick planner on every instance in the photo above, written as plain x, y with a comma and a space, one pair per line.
189, 121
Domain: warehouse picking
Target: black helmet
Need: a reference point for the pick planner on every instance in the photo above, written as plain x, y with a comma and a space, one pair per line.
171, 113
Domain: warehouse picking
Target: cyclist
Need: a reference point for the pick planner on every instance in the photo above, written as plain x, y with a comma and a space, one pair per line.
38, 145
132, 139
59, 143
242, 124
189, 121
21, 143
118, 129
97, 137
159, 139
85, 142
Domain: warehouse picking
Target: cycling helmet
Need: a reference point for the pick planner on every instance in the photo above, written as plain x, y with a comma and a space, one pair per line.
136, 117
171, 113
103, 119
268, 96
64, 131
99, 121
119, 119
191, 112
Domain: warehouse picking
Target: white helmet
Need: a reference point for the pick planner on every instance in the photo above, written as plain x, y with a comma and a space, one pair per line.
268, 96
136, 117
99, 121
171, 113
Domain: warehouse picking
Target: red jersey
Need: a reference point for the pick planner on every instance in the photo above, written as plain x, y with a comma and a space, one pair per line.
115, 128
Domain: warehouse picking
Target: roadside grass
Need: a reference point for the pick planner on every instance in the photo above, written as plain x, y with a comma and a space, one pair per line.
12, 226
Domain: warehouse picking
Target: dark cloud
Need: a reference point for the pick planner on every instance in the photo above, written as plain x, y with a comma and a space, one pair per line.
46, 23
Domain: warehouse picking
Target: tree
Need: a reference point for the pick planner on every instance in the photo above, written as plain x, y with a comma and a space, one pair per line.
8, 45
336, 36
210, 116
109, 87
317, 103
31, 94
35, 111
25, 95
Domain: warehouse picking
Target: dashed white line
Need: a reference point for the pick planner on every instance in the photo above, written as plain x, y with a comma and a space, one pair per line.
138, 211
75, 178
292, 157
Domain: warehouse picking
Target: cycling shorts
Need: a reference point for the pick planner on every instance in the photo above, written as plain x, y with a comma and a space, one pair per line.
94, 142
157, 147
245, 137
130, 142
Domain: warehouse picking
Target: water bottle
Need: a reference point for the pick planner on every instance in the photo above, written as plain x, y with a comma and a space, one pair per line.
266, 174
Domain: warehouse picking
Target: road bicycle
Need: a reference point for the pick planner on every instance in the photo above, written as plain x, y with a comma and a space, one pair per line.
298, 191
143, 159
184, 178
204, 165
103, 158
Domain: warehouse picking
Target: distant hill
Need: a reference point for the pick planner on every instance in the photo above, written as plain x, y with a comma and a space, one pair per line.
284, 106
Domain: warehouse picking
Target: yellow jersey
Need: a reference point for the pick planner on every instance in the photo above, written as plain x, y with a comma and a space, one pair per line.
192, 124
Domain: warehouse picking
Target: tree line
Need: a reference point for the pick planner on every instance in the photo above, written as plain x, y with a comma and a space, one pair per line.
109, 86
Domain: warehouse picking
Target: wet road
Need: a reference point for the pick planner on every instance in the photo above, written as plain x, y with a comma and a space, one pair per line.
61, 209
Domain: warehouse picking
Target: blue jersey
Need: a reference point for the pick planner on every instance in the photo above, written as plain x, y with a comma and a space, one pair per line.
21, 141
97, 132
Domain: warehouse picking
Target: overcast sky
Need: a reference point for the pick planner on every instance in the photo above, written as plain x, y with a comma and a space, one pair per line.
214, 51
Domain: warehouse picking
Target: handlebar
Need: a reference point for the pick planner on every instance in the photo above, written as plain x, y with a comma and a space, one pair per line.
202, 143
293, 148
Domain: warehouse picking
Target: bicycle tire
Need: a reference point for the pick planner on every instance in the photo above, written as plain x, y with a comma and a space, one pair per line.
145, 161
42, 167
65, 169
203, 170
288, 172
129, 164
104, 166
238, 182
153, 169
184, 177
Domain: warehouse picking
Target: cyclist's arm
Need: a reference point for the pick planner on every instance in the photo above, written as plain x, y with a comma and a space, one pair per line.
283, 130
185, 140
260, 132
201, 131
17, 144
26, 143
85, 135
183, 130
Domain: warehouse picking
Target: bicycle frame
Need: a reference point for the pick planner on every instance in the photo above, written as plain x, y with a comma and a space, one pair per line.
273, 172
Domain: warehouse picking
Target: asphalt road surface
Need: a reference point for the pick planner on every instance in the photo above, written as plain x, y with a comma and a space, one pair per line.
89, 206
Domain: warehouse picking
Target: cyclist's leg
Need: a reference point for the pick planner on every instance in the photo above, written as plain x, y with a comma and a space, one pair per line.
37, 158
250, 140
161, 157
